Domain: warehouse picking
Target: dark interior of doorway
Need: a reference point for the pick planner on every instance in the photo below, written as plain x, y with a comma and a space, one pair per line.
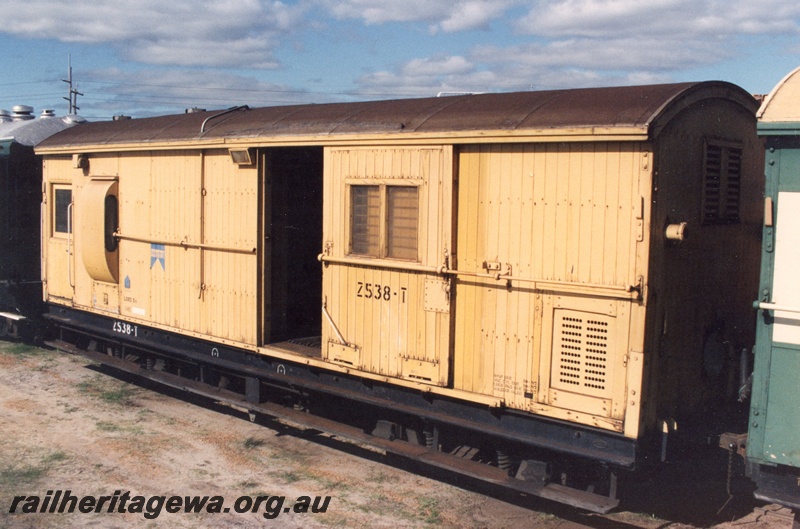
294, 183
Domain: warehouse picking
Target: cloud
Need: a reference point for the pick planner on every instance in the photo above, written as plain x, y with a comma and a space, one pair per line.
695, 18
426, 77
444, 15
227, 33
159, 91
400, 49
569, 43
491, 69
442, 66
628, 54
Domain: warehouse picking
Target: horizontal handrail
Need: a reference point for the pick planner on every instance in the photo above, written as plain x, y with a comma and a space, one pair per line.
763, 305
624, 292
185, 244
392, 265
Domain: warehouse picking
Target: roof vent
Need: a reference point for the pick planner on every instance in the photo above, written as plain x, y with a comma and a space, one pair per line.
5, 116
22, 112
48, 113
73, 119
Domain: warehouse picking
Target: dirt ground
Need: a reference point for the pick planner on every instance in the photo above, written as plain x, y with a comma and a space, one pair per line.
66, 424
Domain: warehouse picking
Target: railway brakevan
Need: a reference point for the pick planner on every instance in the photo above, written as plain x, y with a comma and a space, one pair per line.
532, 288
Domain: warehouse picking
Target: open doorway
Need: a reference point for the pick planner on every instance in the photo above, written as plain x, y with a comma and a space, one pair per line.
292, 242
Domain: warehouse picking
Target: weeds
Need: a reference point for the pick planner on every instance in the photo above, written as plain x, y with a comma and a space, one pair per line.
377, 477
55, 457
289, 477
428, 510
98, 388
15, 475
251, 442
105, 426
24, 350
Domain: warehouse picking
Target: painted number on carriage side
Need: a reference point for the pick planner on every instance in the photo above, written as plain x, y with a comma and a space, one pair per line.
380, 292
125, 328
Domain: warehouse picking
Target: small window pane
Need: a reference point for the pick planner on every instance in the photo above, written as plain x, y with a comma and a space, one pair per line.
365, 218
402, 210
63, 200
111, 216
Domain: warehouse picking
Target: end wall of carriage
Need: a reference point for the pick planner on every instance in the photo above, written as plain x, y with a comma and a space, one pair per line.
708, 175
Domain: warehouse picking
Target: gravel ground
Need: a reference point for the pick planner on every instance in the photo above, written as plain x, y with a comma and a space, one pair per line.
66, 424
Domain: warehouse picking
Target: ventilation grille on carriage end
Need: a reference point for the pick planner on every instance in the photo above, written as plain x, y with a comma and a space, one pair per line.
581, 353
722, 184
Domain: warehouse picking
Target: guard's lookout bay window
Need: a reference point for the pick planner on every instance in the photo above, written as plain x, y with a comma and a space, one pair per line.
384, 221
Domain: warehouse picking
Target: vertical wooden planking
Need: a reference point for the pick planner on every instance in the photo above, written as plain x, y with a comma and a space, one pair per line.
172, 211
539, 210
382, 309
469, 366
612, 214
550, 212
228, 304
626, 225
585, 237
571, 244
597, 257
555, 212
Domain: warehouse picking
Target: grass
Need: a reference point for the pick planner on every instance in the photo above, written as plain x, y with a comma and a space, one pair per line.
15, 475
105, 426
377, 477
24, 350
55, 457
98, 387
428, 510
19, 475
251, 443
289, 477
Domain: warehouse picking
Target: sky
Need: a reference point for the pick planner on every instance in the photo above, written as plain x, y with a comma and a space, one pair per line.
152, 57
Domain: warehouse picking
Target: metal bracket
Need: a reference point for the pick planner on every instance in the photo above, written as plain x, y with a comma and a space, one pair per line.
734, 441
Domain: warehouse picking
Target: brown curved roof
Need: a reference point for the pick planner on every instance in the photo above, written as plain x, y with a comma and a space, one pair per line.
634, 106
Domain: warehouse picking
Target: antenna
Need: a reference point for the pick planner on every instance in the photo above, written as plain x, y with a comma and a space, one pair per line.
73, 92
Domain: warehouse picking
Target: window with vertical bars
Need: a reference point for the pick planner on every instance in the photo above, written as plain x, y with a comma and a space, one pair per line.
722, 180
61, 221
402, 212
365, 216
384, 221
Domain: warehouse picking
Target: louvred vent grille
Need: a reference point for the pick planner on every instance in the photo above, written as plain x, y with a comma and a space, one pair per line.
722, 181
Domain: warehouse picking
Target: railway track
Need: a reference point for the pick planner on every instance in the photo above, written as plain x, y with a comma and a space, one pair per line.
454, 468
458, 463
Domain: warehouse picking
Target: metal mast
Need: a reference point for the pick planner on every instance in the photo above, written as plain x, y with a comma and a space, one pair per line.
73, 92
